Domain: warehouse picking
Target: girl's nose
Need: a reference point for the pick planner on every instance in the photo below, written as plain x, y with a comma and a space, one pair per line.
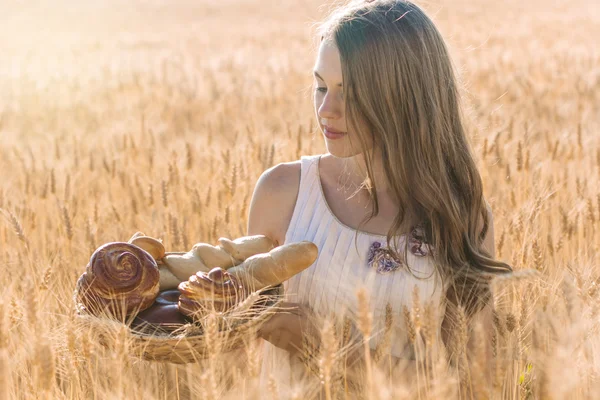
331, 107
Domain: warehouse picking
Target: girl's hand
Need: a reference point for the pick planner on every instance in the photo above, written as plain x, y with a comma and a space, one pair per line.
288, 327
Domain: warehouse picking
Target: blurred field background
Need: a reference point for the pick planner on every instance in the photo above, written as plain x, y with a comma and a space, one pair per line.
159, 116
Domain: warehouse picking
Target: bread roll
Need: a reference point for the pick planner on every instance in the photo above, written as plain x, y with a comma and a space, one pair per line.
275, 267
120, 279
246, 246
166, 297
151, 245
163, 316
202, 293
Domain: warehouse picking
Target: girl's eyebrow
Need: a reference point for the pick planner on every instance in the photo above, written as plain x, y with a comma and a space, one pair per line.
319, 76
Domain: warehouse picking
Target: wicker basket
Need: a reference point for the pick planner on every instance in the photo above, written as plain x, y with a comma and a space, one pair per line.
187, 344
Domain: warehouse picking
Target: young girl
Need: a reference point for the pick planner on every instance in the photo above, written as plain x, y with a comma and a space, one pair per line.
396, 205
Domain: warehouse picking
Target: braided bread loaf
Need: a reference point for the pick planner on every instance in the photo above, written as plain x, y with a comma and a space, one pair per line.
204, 257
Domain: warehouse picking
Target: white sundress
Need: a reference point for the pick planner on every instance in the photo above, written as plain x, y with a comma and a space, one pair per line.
330, 283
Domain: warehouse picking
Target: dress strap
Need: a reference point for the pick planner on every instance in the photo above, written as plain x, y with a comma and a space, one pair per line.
308, 175
306, 198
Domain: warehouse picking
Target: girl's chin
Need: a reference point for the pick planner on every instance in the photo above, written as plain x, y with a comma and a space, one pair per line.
341, 151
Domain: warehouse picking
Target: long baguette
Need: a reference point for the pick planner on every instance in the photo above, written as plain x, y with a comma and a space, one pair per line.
275, 267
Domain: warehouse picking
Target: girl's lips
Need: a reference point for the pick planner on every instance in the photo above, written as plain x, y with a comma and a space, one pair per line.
329, 134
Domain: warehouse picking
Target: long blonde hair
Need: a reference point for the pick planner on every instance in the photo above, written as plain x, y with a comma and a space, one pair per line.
402, 94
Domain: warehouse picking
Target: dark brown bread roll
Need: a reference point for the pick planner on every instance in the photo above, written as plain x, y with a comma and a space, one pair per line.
167, 297
164, 316
120, 279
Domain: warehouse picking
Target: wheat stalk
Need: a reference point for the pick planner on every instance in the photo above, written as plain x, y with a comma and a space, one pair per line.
5, 369
328, 355
384, 345
66, 218
273, 389
365, 326
165, 193
252, 356
189, 156
410, 326
46, 368
12, 219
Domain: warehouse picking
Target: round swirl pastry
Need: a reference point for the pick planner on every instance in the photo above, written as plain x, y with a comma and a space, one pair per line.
120, 279
216, 290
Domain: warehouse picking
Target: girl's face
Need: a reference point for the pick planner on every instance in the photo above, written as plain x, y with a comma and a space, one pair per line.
330, 102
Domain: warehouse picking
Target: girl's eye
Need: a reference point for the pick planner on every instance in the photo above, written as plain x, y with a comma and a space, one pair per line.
322, 89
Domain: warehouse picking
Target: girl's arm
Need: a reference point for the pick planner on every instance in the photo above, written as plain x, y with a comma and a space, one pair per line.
273, 202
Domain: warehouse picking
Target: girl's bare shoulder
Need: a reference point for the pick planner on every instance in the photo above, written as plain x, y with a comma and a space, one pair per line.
273, 201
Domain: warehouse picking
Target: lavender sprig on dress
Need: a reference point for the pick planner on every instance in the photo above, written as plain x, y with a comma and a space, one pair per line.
384, 259
417, 243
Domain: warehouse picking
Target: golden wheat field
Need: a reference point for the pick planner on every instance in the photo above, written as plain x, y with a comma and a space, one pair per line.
159, 116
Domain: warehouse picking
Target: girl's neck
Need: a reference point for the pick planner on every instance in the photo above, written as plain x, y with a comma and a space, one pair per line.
353, 173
